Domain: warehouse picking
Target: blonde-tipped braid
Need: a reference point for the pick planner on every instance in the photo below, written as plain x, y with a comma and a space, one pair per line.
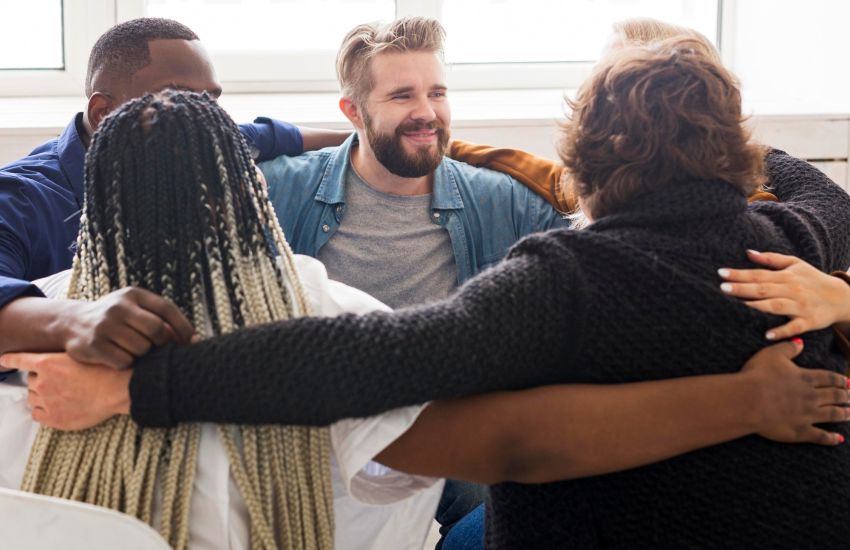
195, 227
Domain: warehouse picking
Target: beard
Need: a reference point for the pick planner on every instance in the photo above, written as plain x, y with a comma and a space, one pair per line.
390, 152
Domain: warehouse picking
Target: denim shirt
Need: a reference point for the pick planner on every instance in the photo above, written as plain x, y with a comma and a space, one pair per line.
485, 212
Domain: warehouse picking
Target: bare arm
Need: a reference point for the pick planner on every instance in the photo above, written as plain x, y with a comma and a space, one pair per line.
570, 431
111, 331
319, 138
33, 324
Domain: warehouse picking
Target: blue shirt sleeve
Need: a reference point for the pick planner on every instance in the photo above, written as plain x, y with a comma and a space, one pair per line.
269, 138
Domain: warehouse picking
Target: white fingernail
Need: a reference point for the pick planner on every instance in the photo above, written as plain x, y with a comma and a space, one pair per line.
770, 335
726, 287
756, 252
723, 272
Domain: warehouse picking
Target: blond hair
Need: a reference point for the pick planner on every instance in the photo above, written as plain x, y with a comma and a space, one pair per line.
196, 227
644, 31
364, 42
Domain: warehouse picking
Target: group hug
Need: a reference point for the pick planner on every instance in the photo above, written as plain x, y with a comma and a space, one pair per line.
267, 336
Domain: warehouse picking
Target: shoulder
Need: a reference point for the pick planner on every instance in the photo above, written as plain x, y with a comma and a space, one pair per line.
482, 180
19, 190
291, 178
556, 245
485, 185
329, 297
782, 167
34, 174
285, 165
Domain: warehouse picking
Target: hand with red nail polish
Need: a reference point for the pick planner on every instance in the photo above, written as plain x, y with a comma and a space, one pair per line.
791, 400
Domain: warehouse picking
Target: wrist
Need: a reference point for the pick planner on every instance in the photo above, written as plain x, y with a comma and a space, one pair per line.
58, 330
843, 300
120, 391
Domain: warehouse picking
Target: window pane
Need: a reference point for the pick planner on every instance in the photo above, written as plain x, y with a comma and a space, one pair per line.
32, 35
493, 31
235, 26
806, 68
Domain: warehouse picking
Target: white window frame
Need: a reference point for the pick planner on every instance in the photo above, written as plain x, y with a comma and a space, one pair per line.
85, 20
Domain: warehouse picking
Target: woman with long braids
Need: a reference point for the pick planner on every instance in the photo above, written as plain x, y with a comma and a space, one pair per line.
182, 213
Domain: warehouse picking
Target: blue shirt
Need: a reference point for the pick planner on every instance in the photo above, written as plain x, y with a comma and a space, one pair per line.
41, 197
485, 212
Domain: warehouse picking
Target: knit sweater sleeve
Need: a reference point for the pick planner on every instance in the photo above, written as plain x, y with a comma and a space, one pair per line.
508, 328
821, 204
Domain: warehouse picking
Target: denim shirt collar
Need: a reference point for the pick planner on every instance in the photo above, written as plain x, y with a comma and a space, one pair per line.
72, 156
446, 195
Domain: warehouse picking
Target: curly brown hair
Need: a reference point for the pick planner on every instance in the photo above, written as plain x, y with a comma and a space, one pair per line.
652, 116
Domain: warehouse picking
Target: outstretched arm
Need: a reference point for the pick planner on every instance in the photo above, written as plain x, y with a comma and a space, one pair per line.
570, 431
544, 434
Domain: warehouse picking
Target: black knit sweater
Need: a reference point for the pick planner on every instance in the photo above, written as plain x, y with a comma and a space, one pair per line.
634, 297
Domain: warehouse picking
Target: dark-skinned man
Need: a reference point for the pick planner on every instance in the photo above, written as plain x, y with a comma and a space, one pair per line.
41, 197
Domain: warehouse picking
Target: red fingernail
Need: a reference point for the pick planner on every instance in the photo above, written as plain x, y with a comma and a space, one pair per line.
797, 341
840, 438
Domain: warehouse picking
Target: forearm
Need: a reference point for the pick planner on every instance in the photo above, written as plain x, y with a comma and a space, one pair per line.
33, 324
319, 138
570, 431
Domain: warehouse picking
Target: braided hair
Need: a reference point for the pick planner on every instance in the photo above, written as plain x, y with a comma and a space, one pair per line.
174, 205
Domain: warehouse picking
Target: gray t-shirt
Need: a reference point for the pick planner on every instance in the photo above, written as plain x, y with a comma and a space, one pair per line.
388, 246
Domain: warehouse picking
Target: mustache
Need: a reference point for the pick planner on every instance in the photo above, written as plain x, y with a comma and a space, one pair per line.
417, 126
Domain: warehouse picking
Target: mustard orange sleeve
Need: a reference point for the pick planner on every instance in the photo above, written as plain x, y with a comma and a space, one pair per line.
541, 175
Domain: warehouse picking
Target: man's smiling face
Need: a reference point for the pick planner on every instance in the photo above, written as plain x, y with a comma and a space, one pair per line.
407, 113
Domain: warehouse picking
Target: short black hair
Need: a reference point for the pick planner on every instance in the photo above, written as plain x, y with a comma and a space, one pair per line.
123, 49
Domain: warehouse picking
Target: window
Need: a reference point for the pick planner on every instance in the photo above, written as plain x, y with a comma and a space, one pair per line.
779, 48
505, 31
291, 44
34, 41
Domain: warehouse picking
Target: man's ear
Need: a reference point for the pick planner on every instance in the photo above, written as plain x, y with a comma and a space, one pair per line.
99, 106
352, 112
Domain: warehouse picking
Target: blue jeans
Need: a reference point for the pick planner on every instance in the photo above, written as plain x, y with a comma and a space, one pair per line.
461, 507
468, 533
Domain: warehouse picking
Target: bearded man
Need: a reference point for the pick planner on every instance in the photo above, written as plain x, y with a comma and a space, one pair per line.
387, 212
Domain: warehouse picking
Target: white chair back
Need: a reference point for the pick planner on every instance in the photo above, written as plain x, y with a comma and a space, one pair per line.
38, 522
